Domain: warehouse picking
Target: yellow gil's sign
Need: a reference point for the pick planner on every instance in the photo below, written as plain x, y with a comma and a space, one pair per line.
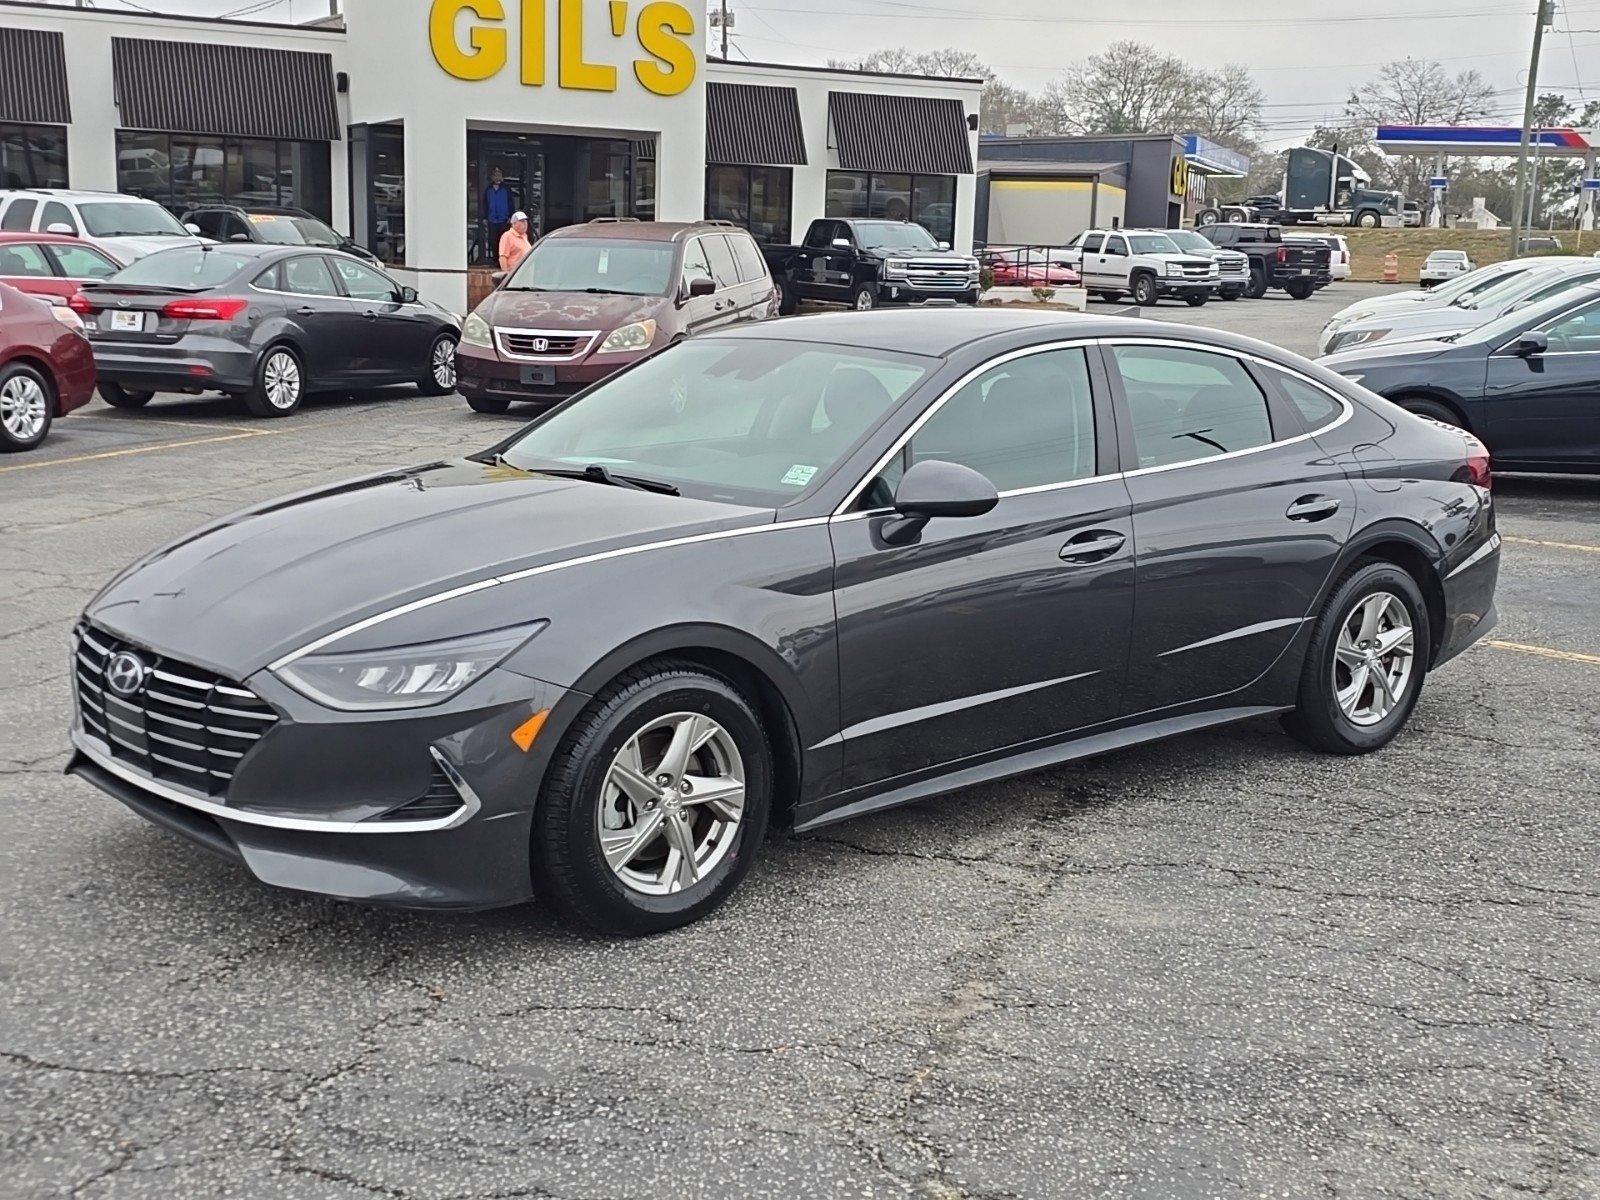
1180, 177
662, 29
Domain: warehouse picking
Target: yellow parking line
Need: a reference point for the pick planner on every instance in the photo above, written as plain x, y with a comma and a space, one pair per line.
1545, 652
1524, 541
152, 449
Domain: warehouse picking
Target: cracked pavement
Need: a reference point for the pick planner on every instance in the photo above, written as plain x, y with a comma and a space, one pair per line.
1222, 966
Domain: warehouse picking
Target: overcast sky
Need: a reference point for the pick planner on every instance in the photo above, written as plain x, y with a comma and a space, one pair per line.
1305, 57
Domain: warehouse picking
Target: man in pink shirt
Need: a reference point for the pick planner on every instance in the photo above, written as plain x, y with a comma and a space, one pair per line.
514, 242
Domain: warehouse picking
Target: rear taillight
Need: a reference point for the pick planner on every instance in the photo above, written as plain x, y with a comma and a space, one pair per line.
79, 303
1283, 254
1477, 466
222, 309
67, 317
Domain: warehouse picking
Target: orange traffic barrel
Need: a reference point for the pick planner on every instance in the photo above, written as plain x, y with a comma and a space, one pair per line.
1391, 267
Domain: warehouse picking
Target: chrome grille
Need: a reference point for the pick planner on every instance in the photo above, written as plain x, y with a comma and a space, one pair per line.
1234, 267
541, 346
1193, 270
932, 275
184, 725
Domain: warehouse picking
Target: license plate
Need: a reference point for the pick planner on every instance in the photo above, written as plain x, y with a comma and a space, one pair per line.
1305, 270
127, 322
539, 376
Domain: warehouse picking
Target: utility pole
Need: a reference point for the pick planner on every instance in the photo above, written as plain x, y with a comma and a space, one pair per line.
1546, 17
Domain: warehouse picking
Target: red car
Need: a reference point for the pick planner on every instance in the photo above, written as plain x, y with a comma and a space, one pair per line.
1018, 270
46, 367
51, 265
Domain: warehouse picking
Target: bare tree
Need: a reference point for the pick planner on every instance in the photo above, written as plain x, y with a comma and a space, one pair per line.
948, 63
1227, 105
1127, 88
1411, 91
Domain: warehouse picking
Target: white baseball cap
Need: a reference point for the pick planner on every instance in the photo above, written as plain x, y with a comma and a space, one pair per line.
519, 216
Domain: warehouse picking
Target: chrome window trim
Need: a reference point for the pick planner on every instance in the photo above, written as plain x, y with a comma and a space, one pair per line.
583, 348
91, 748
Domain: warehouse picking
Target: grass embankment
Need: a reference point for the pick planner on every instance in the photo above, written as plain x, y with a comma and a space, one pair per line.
1483, 246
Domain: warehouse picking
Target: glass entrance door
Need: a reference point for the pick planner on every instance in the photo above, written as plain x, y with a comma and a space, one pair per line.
504, 176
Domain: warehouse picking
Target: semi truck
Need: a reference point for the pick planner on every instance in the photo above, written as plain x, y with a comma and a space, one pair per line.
1320, 187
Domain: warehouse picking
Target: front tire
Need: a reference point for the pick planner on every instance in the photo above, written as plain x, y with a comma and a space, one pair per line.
863, 299
1367, 220
280, 384
1230, 293
1366, 664
656, 804
1257, 287
1145, 294
118, 396
1195, 300
27, 406
1299, 289
438, 377
494, 405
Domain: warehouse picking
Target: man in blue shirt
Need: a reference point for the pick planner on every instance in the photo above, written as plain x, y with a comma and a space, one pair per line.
499, 202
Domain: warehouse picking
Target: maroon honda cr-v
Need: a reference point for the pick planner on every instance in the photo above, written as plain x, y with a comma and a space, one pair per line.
590, 299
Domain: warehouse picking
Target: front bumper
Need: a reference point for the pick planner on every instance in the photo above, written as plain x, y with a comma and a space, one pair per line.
482, 374
191, 364
318, 803
895, 291
1186, 287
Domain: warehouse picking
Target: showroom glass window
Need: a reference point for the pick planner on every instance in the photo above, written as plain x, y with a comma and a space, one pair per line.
182, 170
378, 190
929, 200
33, 156
759, 198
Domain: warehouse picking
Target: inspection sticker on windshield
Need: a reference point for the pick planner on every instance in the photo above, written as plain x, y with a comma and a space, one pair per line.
798, 476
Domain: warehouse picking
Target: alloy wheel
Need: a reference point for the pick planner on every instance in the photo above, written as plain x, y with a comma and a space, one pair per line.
1373, 658
23, 407
864, 300
444, 363
281, 377
671, 804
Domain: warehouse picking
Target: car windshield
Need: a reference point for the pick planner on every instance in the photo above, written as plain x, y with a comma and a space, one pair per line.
1188, 239
283, 229
746, 421
893, 235
1152, 243
1477, 281
129, 218
632, 268
1505, 290
185, 269
1503, 329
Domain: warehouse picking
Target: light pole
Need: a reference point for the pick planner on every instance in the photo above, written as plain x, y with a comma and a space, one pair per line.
1545, 17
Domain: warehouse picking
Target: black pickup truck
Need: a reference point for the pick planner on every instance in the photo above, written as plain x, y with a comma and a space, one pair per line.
1299, 268
867, 262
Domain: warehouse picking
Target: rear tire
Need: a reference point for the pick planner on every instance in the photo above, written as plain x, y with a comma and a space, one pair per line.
1145, 294
488, 404
1196, 300
27, 407
118, 396
1230, 294
788, 302
1432, 409
1357, 690
1299, 289
582, 858
1257, 287
280, 384
438, 376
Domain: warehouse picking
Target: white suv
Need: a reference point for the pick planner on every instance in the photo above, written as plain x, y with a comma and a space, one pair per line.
125, 227
1147, 265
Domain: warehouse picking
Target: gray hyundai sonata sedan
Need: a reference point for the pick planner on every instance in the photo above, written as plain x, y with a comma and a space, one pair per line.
778, 577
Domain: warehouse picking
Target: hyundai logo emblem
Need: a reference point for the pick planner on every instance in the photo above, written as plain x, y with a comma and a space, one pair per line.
540, 345
126, 673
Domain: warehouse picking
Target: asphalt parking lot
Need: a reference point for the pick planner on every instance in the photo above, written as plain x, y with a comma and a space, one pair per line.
1223, 966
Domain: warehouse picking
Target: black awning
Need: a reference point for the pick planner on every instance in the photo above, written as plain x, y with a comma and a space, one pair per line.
917, 135
238, 91
33, 77
754, 125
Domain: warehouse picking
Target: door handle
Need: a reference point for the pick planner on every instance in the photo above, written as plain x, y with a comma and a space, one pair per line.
1093, 546
370, 315
1312, 508
305, 310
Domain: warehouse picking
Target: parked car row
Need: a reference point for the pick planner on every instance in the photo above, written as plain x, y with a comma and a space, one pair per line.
1509, 352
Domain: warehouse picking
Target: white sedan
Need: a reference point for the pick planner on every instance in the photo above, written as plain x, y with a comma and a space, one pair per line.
1443, 265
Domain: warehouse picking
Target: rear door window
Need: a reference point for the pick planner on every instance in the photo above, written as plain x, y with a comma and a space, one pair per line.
1317, 407
24, 260
18, 217
82, 262
1092, 243
1189, 404
308, 276
56, 213
752, 266
723, 268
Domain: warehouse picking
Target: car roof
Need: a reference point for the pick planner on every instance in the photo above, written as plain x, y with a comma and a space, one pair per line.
273, 210
941, 332
58, 239
75, 195
644, 231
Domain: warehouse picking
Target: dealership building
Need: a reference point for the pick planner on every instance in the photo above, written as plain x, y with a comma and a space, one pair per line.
394, 120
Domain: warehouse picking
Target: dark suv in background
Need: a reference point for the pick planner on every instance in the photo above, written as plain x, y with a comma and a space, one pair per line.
271, 225
590, 299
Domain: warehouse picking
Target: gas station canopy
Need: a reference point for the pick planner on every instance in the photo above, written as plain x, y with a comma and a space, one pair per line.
1484, 140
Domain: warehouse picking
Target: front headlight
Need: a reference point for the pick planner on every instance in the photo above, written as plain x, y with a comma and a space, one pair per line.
1173, 268
1360, 338
475, 331
896, 266
637, 336
402, 676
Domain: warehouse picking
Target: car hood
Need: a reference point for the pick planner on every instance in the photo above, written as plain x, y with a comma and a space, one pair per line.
1363, 309
575, 311
1392, 354
1424, 322
127, 249
248, 589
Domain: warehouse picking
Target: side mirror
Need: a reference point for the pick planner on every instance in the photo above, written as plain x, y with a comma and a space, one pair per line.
841, 243
944, 245
499, 277
196, 230
700, 285
63, 229
408, 295
238, 237
1531, 343
935, 488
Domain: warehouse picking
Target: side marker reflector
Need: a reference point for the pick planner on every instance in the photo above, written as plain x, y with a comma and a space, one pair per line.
524, 734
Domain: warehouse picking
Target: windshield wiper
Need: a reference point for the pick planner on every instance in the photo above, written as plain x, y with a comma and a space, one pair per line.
595, 473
